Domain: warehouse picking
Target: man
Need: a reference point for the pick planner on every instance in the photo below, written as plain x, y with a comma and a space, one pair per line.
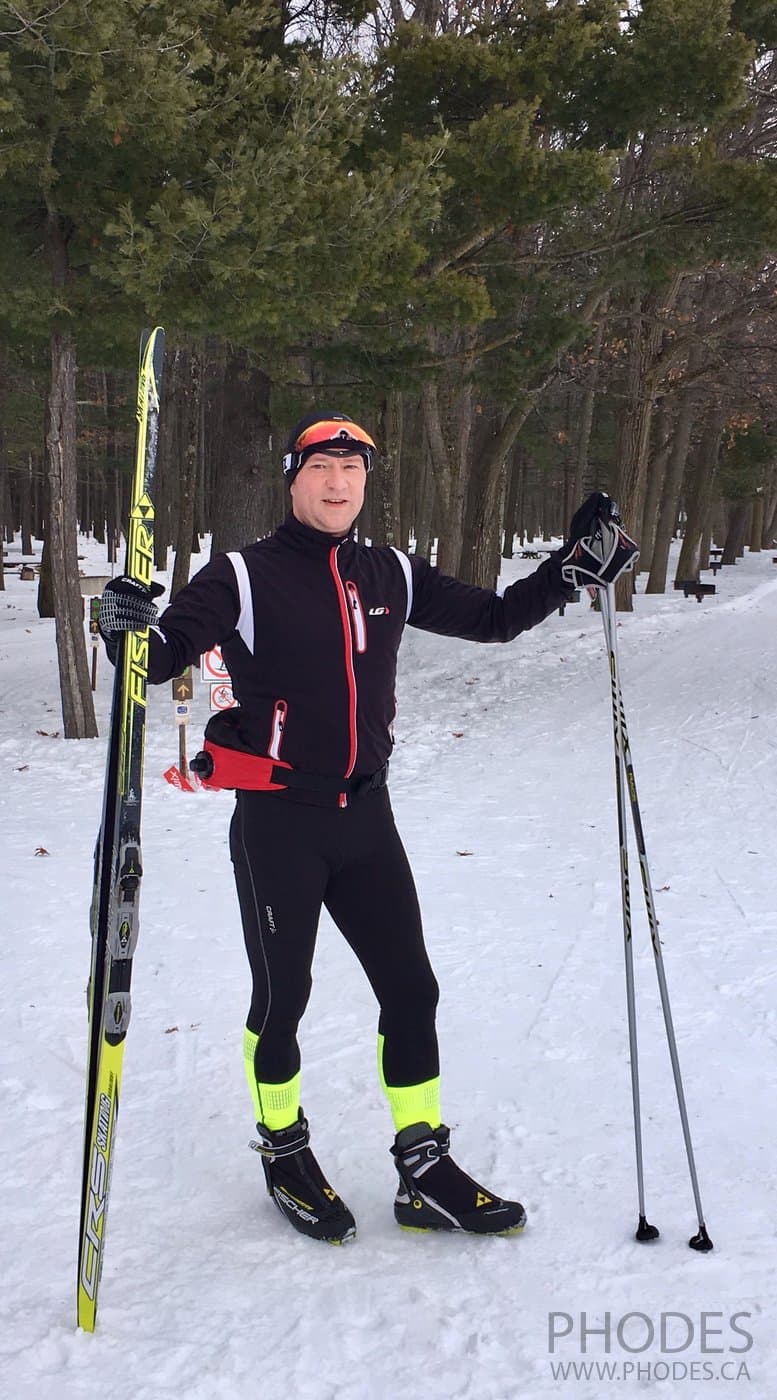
309, 622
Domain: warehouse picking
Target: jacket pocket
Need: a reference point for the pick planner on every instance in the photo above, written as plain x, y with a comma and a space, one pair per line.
358, 619
279, 714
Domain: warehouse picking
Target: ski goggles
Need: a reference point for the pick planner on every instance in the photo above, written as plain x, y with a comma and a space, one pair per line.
330, 435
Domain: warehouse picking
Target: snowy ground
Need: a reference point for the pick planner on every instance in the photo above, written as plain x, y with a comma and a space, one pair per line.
503, 788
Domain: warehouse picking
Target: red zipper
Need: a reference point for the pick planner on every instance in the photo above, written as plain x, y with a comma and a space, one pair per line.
349, 671
279, 715
357, 613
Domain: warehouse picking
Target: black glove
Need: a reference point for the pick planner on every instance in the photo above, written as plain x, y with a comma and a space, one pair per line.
127, 606
598, 506
597, 549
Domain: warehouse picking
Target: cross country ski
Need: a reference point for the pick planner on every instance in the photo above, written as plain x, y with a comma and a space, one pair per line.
117, 867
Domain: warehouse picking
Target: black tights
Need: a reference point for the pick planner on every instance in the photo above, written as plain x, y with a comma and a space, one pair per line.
289, 859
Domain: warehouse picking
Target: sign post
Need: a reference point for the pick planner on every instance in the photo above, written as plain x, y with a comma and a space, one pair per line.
219, 682
183, 691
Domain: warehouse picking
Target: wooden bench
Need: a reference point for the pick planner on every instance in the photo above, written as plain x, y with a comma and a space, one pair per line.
531, 553
693, 588
21, 564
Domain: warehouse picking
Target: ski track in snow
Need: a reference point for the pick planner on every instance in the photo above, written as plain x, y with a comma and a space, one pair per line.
502, 783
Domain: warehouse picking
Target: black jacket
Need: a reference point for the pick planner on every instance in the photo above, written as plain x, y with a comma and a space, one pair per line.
310, 628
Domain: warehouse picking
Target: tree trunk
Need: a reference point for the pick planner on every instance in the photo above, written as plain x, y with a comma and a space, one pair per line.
770, 524
520, 504
426, 505
243, 471
199, 503
114, 537
3, 475
654, 483
26, 504
386, 519
447, 435
168, 462
698, 492
670, 495
110, 471
99, 510
757, 526
6, 507
62, 541
483, 523
514, 475
737, 527
413, 476
645, 338
581, 483
186, 387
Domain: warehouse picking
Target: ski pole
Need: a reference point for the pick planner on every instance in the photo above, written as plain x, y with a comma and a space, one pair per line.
700, 1241
644, 1230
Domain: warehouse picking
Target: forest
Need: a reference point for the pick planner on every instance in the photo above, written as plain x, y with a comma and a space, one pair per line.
529, 245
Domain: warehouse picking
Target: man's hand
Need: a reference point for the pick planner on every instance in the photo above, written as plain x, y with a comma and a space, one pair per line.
597, 549
598, 506
127, 606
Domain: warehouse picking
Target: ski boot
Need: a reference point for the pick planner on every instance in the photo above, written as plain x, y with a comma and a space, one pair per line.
297, 1184
435, 1194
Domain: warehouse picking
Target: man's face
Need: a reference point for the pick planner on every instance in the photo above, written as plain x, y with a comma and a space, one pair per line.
328, 492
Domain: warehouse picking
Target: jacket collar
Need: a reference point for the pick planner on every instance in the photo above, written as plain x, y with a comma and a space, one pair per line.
304, 538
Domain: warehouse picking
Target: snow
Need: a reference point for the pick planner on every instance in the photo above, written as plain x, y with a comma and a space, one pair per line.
503, 787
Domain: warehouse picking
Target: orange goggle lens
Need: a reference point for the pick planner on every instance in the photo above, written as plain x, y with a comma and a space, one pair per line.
331, 431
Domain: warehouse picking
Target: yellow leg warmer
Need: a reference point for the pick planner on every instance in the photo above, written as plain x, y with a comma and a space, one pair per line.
411, 1103
275, 1105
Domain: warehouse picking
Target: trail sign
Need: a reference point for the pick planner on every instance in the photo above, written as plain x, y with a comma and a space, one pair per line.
213, 668
221, 698
183, 686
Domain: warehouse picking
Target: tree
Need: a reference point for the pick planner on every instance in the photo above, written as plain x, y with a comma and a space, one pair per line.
74, 76
162, 163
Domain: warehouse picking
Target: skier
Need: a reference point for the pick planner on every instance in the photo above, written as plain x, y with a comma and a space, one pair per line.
309, 622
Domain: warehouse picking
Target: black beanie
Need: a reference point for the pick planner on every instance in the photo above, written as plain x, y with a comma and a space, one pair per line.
292, 460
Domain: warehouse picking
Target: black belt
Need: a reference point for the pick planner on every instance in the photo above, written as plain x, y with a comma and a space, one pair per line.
222, 766
331, 787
